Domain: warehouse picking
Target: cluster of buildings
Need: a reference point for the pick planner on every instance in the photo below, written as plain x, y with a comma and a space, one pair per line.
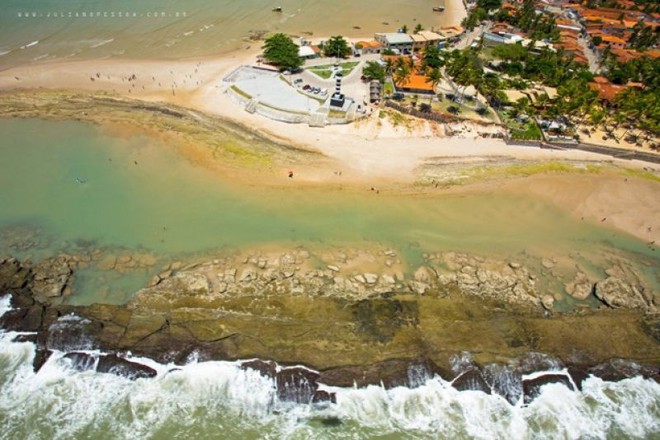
602, 28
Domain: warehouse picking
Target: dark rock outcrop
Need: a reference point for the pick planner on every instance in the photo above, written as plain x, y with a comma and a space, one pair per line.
321, 396
532, 387
296, 384
392, 373
122, 367
471, 379
266, 368
80, 361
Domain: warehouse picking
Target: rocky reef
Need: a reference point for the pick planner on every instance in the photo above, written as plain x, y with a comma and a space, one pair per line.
353, 317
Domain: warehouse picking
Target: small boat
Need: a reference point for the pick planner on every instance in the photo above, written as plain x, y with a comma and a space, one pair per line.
438, 9
277, 9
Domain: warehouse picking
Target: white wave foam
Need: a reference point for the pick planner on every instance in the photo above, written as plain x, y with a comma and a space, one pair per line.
4, 52
5, 304
101, 43
200, 398
32, 44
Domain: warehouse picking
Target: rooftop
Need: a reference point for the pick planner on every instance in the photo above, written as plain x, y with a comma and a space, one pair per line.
396, 38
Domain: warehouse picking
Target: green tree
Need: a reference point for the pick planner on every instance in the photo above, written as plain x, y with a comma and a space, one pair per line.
404, 29
281, 51
434, 76
402, 71
418, 28
336, 46
373, 70
433, 57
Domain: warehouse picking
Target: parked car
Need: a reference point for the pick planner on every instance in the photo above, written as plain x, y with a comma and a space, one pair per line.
316, 90
398, 96
298, 81
306, 87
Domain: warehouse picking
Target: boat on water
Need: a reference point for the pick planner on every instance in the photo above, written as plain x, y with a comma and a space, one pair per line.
277, 9
438, 8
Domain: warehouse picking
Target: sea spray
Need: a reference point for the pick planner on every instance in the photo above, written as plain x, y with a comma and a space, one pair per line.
221, 398
203, 398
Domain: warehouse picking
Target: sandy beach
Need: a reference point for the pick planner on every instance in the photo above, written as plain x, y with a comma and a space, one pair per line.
373, 152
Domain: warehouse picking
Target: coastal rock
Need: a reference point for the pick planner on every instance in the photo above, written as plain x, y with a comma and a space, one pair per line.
266, 368
504, 381
50, 277
296, 384
248, 275
619, 369
13, 275
532, 387
425, 275
192, 282
580, 288
370, 278
122, 367
471, 379
324, 396
616, 293
80, 361
547, 301
392, 373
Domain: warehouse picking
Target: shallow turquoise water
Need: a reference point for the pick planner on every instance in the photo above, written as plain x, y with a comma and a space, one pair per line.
70, 187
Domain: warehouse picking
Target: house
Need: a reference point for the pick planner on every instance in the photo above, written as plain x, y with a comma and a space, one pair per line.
415, 83
497, 39
607, 92
451, 32
613, 42
430, 38
368, 47
309, 52
395, 41
625, 55
564, 24
424, 39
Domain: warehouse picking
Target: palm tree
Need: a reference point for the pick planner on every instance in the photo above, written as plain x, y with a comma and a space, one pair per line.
418, 28
389, 65
434, 76
402, 73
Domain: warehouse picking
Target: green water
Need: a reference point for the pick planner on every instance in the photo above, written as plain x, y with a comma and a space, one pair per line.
68, 187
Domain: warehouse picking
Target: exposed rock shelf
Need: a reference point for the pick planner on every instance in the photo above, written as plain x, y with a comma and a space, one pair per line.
352, 325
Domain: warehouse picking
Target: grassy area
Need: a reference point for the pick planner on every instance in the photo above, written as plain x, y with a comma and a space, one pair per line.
523, 131
549, 167
443, 105
643, 174
470, 175
325, 70
325, 74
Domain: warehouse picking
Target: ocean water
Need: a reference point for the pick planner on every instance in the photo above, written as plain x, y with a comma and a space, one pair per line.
219, 400
70, 187
41, 30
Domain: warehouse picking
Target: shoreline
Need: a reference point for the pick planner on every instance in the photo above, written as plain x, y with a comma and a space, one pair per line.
483, 167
